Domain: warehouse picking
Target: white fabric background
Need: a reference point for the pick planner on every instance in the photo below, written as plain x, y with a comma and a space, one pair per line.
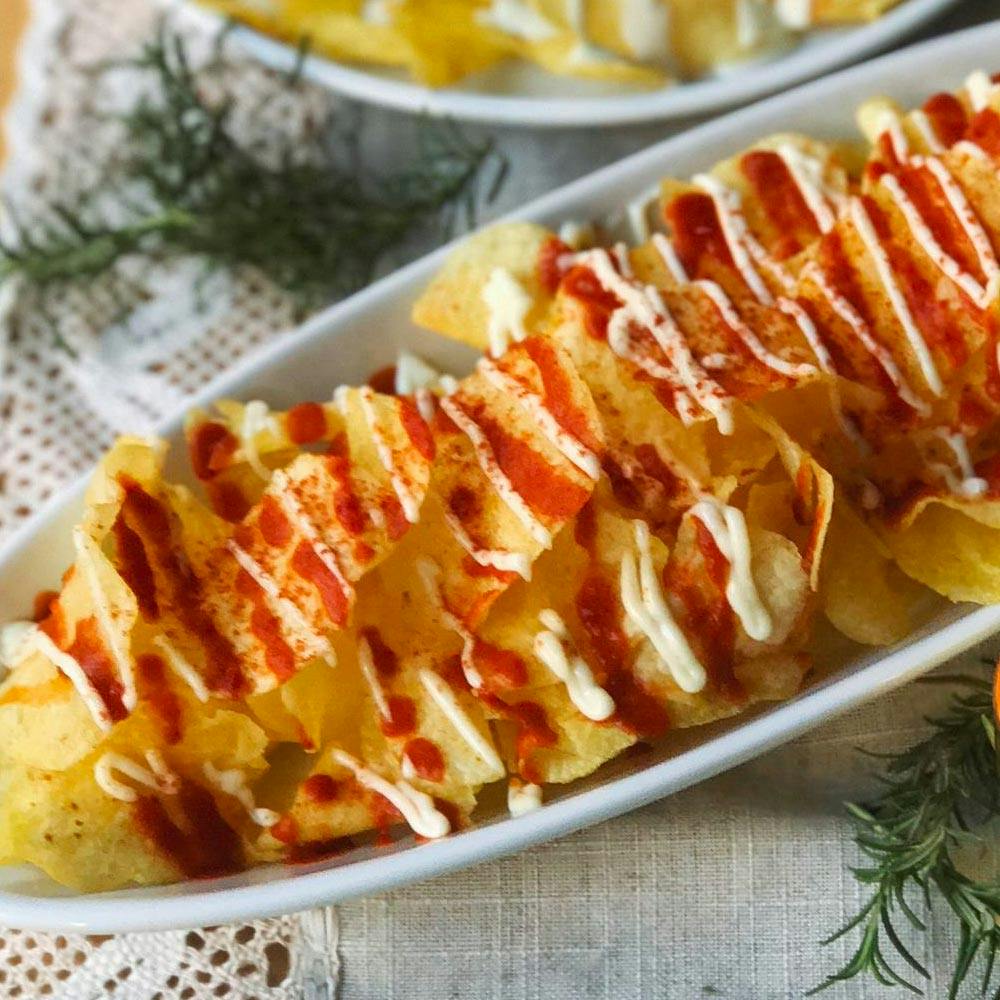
722, 891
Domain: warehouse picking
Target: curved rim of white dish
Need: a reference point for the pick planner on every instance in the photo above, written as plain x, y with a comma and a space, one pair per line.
830, 49
191, 904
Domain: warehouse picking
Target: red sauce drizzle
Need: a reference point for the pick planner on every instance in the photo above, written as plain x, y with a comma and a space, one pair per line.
947, 117
451, 670
710, 619
306, 423
549, 272
384, 659
984, 131
781, 199
347, 507
183, 590
533, 731
697, 232
227, 500
133, 565
208, 847
585, 527
600, 613
320, 788
266, 628
543, 489
89, 651
161, 697
384, 380
41, 606
286, 830
211, 448
402, 718
426, 759
581, 283
557, 391
501, 669
308, 565
396, 524
416, 428
273, 524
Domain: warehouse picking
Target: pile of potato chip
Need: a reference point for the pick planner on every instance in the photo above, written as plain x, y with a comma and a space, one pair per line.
638, 44
679, 468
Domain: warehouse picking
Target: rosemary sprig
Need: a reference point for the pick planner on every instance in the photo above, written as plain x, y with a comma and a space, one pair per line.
936, 794
311, 214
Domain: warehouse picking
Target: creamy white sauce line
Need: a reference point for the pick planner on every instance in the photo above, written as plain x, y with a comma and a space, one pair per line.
181, 667
88, 693
367, 664
966, 483
568, 445
648, 611
289, 503
507, 306
555, 648
923, 125
430, 574
847, 312
807, 173
866, 230
86, 557
523, 797
645, 307
284, 609
409, 499
416, 807
443, 696
233, 782
501, 559
728, 528
257, 419
513, 500
157, 776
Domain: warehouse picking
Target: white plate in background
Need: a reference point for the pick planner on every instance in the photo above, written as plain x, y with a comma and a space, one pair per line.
524, 95
338, 345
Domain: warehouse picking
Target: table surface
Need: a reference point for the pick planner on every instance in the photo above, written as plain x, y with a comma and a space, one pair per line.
721, 891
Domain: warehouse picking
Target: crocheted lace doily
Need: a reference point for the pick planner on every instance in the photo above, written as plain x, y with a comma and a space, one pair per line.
59, 409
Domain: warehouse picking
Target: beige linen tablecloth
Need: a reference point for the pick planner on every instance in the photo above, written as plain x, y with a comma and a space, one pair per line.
721, 891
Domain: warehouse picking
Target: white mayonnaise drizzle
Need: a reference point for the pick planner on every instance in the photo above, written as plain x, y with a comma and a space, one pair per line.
728, 528
923, 125
645, 28
645, 307
794, 14
157, 776
736, 232
284, 609
15, 643
982, 295
86, 560
430, 574
971, 149
804, 322
413, 374
866, 230
648, 611
257, 419
89, 694
181, 667
846, 311
577, 235
377, 12
981, 90
637, 213
885, 121
409, 499
367, 664
515, 17
670, 258
513, 500
523, 797
298, 518
501, 559
554, 646
564, 442
416, 807
966, 483
807, 172
233, 782
508, 305
443, 696
752, 342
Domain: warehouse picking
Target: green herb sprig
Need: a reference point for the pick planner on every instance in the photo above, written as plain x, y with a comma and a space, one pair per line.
312, 214
936, 794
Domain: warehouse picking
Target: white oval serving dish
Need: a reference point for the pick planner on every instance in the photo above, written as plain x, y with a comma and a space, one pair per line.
514, 95
346, 343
